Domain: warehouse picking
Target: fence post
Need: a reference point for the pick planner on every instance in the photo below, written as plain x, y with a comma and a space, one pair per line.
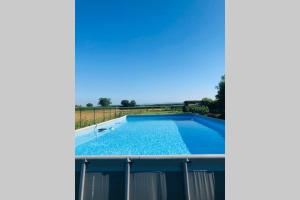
94, 116
79, 117
103, 114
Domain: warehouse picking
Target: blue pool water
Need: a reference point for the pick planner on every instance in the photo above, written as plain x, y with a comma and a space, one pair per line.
153, 135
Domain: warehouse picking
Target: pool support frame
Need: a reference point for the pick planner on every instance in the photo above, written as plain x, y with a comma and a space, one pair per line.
185, 159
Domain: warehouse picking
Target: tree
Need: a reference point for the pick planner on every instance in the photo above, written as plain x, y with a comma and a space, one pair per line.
132, 103
104, 102
125, 103
220, 97
89, 105
206, 101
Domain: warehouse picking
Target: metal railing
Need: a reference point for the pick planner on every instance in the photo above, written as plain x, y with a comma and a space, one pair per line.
85, 116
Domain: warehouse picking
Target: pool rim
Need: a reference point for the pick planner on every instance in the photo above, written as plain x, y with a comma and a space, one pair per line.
152, 157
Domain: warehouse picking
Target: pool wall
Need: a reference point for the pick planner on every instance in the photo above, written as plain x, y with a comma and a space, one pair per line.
213, 123
178, 173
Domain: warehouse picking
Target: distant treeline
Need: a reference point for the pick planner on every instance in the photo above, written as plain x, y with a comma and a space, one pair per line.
104, 102
205, 106
171, 106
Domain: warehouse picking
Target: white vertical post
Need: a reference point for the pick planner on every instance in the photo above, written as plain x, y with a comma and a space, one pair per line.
186, 180
127, 180
82, 180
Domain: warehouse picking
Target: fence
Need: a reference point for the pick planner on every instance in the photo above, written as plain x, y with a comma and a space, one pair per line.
88, 116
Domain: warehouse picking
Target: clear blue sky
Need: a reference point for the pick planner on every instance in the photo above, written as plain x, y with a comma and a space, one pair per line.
153, 51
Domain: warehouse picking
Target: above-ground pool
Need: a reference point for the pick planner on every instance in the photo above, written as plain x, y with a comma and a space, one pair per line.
152, 135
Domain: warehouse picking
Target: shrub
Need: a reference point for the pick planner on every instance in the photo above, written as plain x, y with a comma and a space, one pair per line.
206, 102
199, 109
186, 108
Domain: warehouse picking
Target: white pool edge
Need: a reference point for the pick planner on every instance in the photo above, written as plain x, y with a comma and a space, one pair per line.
158, 157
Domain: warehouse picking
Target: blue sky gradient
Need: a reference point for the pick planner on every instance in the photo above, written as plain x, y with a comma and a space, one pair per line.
148, 50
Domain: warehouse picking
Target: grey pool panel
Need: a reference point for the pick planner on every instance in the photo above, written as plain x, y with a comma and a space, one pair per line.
219, 185
175, 185
96, 186
77, 181
202, 185
148, 186
104, 186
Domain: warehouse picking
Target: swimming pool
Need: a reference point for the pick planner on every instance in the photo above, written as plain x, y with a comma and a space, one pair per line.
181, 134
